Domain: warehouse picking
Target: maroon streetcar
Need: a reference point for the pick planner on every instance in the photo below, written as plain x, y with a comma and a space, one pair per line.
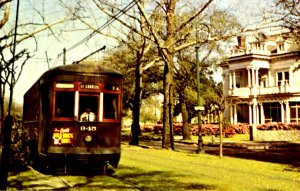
73, 117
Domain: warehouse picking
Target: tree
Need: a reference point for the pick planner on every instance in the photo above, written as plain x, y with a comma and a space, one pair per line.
12, 60
169, 41
211, 52
160, 32
133, 37
287, 14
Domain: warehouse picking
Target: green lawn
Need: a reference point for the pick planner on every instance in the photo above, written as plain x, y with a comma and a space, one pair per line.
159, 169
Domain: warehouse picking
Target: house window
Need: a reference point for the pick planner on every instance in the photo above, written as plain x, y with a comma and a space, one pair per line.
283, 78
281, 46
272, 112
295, 112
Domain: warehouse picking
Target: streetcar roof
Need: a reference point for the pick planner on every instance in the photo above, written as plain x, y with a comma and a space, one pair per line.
87, 69
94, 69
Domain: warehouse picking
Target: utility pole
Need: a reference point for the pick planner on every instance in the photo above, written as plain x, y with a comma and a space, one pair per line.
200, 148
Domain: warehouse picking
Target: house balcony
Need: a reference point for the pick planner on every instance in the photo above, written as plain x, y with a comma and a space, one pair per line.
254, 91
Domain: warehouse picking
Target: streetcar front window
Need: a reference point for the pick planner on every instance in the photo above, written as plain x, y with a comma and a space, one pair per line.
64, 104
110, 106
88, 107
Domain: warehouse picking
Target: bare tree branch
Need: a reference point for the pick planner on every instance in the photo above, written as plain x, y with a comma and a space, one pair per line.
5, 17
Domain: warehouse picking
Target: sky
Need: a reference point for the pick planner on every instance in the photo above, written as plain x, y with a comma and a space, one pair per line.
53, 48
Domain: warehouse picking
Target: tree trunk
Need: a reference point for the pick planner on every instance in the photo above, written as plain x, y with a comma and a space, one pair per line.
2, 115
167, 52
166, 141
185, 117
135, 127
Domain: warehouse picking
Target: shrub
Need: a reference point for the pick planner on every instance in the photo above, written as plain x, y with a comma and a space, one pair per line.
158, 129
275, 126
148, 129
242, 128
19, 154
177, 129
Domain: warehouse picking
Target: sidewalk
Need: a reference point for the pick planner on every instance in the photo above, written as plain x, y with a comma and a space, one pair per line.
240, 144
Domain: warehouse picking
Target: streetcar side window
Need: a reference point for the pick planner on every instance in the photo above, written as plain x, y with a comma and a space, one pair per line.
64, 104
110, 106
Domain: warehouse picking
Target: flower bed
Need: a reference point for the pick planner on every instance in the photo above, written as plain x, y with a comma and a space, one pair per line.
274, 126
206, 129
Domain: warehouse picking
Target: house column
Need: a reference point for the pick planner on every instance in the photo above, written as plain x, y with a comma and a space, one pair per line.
234, 80
291, 76
257, 114
288, 114
230, 80
250, 114
262, 113
249, 77
282, 111
253, 77
254, 113
256, 76
269, 79
231, 114
235, 114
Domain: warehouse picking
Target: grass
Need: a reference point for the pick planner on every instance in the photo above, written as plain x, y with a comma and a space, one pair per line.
208, 138
158, 169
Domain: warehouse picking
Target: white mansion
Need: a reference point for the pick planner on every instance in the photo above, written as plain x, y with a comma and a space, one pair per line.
262, 80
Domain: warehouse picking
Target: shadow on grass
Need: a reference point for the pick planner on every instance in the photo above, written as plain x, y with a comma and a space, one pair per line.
126, 178
159, 180
281, 153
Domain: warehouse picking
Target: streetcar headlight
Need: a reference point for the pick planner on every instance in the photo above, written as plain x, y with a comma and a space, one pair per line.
88, 138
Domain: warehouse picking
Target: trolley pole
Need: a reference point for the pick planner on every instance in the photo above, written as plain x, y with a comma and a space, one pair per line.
198, 108
64, 58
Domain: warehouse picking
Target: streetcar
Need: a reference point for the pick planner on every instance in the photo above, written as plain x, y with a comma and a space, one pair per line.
72, 114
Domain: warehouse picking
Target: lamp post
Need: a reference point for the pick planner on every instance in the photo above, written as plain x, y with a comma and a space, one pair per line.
198, 108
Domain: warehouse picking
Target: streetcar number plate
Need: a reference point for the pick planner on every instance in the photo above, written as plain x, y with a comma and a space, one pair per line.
88, 128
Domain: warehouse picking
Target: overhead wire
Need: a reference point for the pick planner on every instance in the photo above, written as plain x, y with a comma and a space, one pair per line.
107, 23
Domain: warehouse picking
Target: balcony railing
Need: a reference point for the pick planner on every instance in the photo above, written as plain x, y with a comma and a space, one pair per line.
246, 91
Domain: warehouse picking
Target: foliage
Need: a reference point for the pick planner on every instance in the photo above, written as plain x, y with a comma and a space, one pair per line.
207, 129
212, 129
19, 150
287, 12
15, 31
123, 60
156, 34
150, 109
275, 126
